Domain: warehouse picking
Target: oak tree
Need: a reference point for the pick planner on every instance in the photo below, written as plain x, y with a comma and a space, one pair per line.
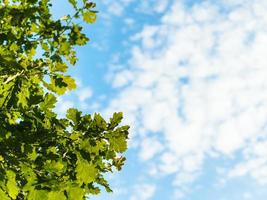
43, 156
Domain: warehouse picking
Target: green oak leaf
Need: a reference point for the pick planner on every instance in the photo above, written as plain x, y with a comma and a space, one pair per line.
100, 122
116, 119
56, 195
3, 195
11, 185
49, 102
73, 3
37, 195
89, 16
44, 156
74, 115
118, 143
75, 193
86, 171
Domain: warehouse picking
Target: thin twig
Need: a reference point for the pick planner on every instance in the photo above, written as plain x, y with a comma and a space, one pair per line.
11, 78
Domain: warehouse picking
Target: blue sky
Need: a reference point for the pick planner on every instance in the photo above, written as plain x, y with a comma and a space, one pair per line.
190, 77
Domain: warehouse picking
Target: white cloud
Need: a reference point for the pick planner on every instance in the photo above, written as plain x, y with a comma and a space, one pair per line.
152, 6
255, 163
199, 79
143, 192
116, 7
129, 21
62, 106
84, 93
149, 148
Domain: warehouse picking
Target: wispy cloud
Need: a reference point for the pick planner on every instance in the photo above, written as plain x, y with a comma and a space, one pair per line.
117, 8
195, 88
143, 192
84, 93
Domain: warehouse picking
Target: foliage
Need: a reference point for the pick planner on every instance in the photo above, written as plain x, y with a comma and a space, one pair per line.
43, 156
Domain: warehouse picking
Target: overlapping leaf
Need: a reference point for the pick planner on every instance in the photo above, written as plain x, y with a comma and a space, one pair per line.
42, 156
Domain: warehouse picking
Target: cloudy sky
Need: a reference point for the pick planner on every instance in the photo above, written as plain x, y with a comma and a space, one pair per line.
191, 79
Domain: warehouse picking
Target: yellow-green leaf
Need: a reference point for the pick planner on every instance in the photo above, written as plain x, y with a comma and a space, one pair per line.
86, 172
1, 158
3, 195
14, 47
12, 187
70, 82
89, 17
37, 194
61, 67
33, 155
56, 195
75, 193
49, 102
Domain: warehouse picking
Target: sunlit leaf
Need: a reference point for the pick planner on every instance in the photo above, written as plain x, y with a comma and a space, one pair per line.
44, 156
89, 17
12, 187
49, 102
86, 172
